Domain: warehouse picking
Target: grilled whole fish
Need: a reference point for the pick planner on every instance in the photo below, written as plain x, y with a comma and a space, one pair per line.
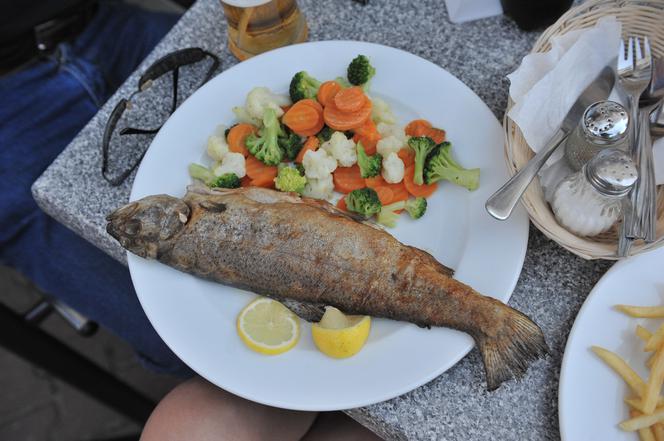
284, 246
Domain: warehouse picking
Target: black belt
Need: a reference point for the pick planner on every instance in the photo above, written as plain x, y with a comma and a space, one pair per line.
45, 36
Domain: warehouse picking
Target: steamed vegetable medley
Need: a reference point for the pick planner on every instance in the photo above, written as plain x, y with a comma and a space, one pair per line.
332, 135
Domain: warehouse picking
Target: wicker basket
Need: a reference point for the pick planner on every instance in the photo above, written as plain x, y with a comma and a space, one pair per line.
638, 18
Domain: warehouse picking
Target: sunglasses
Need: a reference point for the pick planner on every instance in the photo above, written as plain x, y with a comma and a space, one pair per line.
170, 63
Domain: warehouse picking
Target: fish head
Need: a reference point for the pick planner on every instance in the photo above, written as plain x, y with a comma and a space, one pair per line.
144, 226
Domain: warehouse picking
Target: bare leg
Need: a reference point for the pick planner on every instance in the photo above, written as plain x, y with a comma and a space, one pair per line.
199, 411
334, 426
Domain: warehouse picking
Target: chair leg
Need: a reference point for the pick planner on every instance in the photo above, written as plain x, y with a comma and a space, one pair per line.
45, 351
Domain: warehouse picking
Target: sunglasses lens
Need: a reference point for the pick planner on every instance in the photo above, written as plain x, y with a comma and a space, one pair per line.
129, 135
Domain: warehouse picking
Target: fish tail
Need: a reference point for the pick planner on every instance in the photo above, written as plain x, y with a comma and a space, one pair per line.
511, 347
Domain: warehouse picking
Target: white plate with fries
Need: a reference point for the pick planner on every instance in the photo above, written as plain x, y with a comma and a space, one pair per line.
608, 359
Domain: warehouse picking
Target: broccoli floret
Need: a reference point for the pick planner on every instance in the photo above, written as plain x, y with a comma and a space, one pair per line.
325, 134
201, 173
369, 165
343, 82
227, 180
422, 146
416, 207
303, 86
360, 70
363, 201
290, 143
388, 215
266, 146
300, 169
290, 179
440, 165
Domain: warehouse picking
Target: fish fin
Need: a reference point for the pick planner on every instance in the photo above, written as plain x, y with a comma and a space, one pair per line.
509, 351
310, 312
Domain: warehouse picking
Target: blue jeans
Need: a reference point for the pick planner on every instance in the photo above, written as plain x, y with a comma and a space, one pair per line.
43, 106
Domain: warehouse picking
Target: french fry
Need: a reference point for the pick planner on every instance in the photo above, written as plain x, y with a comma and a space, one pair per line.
656, 340
642, 311
645, 434
637, 404
623, 369
643, 333
658, 431
650, 361
655, 381
642, 421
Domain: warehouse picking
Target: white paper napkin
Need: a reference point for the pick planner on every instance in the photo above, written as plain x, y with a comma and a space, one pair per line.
460, 11
545, 85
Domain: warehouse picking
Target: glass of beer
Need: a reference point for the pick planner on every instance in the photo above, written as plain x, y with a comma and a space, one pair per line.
256, 26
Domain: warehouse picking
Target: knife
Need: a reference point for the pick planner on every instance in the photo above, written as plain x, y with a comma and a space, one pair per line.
501, 204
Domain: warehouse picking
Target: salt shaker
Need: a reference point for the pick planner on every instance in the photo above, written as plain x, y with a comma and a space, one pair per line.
603, 125
590, 201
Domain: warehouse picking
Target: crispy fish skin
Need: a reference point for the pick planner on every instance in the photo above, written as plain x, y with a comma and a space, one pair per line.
284, 246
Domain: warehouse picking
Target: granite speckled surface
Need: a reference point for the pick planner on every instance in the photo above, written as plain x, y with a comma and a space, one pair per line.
551, 288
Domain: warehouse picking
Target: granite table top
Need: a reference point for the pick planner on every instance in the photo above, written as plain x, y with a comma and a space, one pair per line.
551, 288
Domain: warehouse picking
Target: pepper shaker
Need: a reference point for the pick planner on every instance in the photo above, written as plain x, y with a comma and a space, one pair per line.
590, 201
604, 125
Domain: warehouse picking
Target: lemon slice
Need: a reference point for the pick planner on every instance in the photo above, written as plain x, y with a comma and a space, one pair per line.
268, 327
340, 336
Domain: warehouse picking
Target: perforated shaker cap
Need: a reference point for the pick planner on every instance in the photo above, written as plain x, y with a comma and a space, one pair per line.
605, 122
612, 172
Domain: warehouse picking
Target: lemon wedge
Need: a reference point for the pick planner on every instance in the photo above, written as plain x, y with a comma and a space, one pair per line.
268, 327
340, 336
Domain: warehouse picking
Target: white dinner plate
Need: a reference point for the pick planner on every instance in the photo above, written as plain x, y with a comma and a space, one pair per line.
591, 394
196, 318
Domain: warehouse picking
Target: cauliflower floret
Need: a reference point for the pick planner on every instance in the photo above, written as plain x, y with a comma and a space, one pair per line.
386, 130
217, 146
318, 164
232, 163
261, 98
381, 112
341, 148
243, 116
389, 144
393, 169
319, 188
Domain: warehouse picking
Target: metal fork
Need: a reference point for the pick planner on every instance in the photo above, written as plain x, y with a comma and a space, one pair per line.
634, 72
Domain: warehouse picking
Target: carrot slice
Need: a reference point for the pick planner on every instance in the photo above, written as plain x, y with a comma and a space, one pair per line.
390, 193
310, 144
326, 92
385, 194
407, 155
438, 135
264, 181
237, 136
315, 129
350, 100
301, 117
347, 179
369, 144
244, 182
343, 121
368, 135
256, 170
424, 190
311, 103
376, 181
418, 127
341, 203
